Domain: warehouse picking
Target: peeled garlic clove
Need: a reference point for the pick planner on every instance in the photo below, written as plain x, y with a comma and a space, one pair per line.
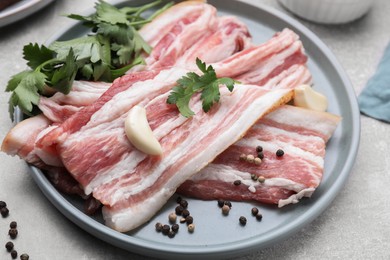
139, 132
306, 97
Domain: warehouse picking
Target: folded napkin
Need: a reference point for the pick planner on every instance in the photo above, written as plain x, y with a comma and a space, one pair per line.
374, 101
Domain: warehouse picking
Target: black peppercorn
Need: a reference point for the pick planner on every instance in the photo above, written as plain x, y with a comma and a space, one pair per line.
14, 254
24, 257
3, 204
9, 245
237, 182
175, 228
255, 211
260, 155
279, 153
171, 234
178, 199
228, 203
242, 220
13, 233
185, 213
179, 210
259, 217
189, 220
220, 203
159, 227
184, 203
165, 229
259, 149
4, 212
13, 224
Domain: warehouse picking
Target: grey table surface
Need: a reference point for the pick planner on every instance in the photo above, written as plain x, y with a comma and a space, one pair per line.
355, 226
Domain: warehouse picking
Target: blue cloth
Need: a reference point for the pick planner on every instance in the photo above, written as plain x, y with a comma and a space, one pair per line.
374, 101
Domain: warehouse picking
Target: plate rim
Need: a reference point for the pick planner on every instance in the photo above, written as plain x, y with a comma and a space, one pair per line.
151, 248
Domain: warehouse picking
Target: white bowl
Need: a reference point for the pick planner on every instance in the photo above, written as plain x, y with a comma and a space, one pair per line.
328, 11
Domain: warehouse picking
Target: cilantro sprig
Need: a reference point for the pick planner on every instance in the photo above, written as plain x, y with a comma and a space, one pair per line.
111, 48
206, 84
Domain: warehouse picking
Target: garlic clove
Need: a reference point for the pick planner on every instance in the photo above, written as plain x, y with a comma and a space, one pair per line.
139, 133
306, 97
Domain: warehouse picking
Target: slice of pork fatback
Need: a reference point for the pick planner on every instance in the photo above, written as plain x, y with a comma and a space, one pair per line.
189, 147
302, 135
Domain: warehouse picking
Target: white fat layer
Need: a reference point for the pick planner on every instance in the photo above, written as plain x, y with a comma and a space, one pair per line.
322, 122
229, 134
140, 90
264, 68
153, 32
47, 158
132, 217
293, 199
310, 141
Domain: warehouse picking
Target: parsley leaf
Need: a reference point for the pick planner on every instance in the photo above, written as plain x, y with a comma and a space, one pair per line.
207, 84
111, 49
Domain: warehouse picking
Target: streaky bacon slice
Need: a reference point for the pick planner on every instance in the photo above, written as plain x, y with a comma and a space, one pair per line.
60, 107
302, 135
151, 181
174, 31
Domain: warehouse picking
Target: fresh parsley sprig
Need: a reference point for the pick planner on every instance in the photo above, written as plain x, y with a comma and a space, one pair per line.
112, 47
206, 84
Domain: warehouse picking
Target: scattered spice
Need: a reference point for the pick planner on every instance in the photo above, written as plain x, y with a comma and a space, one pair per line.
159, 227
185, 213
221, 203
3, 204
24, 257
259, 149
172, 217
4, 212
175, 228
225, 209
259, 217
227, 203
178, 199
242, 220
14, 254
182, 220
184, 203
9, 245
189, 220
191, 228
260, 155
237, 182
13, 233
279, 153
179, 210
13, 224
261, 179
171, 234
243, 157
165, 229
254, 177
257, 161
250, 158
255, 211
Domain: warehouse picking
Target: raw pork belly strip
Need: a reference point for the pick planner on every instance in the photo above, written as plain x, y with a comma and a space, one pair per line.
175, 30
187, 149
302, 134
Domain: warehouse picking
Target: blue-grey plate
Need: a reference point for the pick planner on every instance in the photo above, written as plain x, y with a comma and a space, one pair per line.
218, 236
21, 10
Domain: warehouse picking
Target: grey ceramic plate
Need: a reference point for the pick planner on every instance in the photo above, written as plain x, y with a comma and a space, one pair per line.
216, 235
21, 10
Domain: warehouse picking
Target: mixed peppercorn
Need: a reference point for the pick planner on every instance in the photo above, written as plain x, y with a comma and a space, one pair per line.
12, 232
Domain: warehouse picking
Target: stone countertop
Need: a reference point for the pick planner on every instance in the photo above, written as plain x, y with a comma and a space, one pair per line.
355, 226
